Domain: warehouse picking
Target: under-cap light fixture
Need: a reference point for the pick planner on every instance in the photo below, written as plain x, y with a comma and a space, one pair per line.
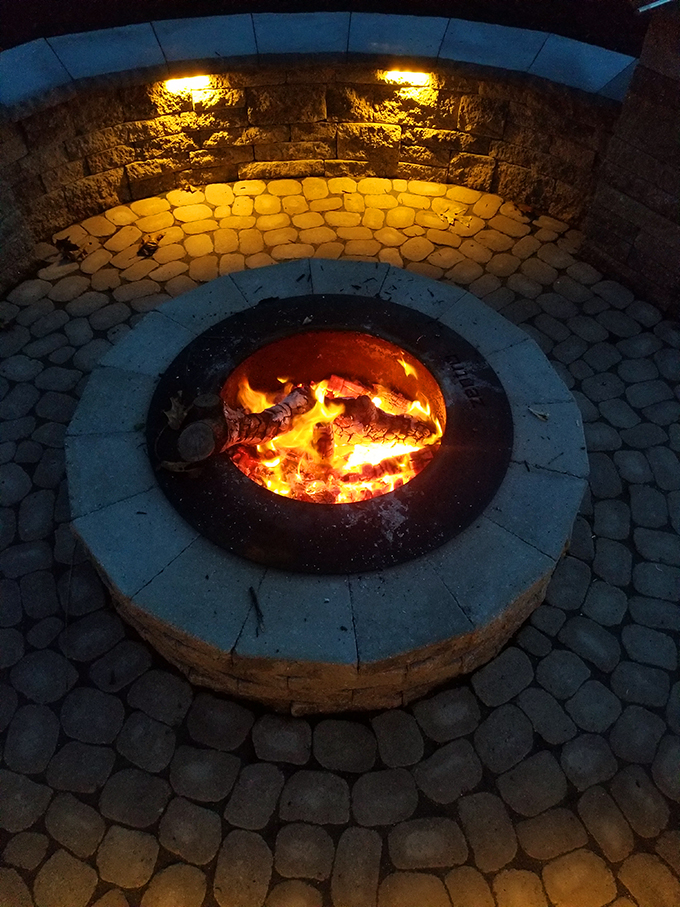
402, 77
193, 83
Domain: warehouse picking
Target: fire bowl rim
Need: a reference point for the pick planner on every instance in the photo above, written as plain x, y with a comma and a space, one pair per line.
329, 643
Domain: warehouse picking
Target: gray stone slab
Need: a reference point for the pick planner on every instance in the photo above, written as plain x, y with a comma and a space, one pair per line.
504, 738
127, 858
31, 739
115, 536
420, 293
353, 278
539, 506
278, 738
528, 376
375, 33
555, 442
150, 347
344, 746
161, 695
384, 797
547, 715
75, 825
147, 743
489, 830
301, 33
447, 715
484, 594
491, 45
113, 401
80, 767
320, 797
134, 797
427, 843
22, 801
218, 723
400, 742
243, 870
210, 303
206, 37
403, 608
481, 326
503, 677
43, 676
106, 50
29, 71
289, 279
91, 716
452, 770
640, 801
534, 785
191, 832
186, 591
255, 796
579, 65
203, 775
306, 618
105, 469
304, 851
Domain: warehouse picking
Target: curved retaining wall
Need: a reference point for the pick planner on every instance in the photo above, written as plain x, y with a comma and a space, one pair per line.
88, 122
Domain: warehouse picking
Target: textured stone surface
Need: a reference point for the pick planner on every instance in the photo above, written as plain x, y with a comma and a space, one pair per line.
127, 857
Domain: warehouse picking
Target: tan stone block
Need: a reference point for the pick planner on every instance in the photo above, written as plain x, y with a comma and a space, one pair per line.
467, 225
249, 187
487, 206
95, 261
425, 269
445, 258
225, 240
324, 204
219, 194
465, 272
234, 261
121, 215
278, 237
503, 264
400, 217
391, 257
236, 222
353, 233
416, 248
106, 279
288, 251
495, 240
373, 218
139, 269
181, 197
421, 187
179, 285
250, 242
204, 268
374, 186
297, 204
317, 235
388, 236
354, 201
125, 237
444, 238
329, 250
508, 225
308, 220
363, 247
472, 249
267, 204
340, 184
129, 291
189, 213
463, 194
99, 226
343, 219
201, 244
272, 221
413, 201
259, 260
526, 247
155, 222
285, 187
201, 226
431, 220
381, 201
313, 187
168, 271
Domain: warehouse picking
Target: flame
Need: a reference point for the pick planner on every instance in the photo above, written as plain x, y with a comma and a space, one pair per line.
328, 458
402, 77
190, 84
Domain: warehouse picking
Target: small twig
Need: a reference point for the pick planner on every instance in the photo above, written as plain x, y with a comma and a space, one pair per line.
258, 611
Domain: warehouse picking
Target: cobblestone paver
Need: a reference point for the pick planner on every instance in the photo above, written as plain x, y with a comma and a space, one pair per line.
549, 778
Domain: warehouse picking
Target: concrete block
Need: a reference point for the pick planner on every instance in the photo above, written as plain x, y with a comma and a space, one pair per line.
355, 278
133, 540
95, 53
556, 443
292, 278
420, 293
527, 376
403, 608
579, 65
203, 593
537, 505
208, 304
151, 347
491, 45
617, 88
484, 328
306, 619
113, 401
415, 36
29, 70
301, 33
206, 38
103, 469
488, 568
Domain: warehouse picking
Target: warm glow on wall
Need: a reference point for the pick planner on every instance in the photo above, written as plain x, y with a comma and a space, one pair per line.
194, 83
400, 77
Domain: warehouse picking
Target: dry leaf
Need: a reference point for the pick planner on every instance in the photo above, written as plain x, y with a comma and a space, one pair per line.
539, 415
180, 466
177, 412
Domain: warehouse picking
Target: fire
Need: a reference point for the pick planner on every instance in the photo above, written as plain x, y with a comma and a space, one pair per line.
355, 442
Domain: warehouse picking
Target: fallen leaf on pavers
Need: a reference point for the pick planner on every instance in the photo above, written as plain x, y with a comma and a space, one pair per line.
539, 415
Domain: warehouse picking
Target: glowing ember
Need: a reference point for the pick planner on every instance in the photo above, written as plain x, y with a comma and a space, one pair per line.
356, 442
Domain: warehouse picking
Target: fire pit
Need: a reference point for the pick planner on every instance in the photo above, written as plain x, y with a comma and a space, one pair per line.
432, 577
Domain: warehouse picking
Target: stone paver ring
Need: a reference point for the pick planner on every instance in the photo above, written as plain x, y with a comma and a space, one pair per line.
334, 642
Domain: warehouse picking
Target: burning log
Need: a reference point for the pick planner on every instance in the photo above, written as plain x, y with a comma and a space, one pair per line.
200, 439
363, 416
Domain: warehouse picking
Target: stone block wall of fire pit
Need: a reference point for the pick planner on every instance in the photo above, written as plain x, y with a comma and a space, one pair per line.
326, 643
90, 143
